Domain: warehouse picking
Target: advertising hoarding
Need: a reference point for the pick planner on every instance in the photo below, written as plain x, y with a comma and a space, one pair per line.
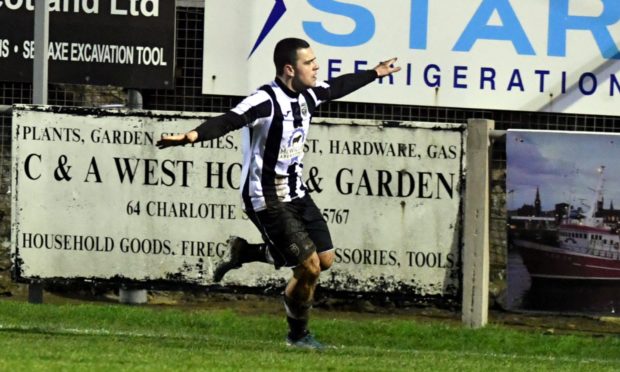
93, 198
124, 43
529, 55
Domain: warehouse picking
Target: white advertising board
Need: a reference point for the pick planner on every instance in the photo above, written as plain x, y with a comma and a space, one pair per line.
93, 198
530, 55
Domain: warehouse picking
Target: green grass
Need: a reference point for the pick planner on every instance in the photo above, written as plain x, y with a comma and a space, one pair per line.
117, 337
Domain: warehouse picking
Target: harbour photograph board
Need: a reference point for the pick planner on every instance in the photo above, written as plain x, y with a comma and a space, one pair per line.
562, 200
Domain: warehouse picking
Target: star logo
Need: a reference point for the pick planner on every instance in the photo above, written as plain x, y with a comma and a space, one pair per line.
276, 13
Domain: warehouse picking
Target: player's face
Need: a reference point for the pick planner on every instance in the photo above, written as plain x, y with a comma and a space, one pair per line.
305, 69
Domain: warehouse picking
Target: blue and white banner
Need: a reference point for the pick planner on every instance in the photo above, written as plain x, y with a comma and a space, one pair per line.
531, 55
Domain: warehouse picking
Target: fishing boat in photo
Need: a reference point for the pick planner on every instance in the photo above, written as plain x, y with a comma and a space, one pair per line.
579, 247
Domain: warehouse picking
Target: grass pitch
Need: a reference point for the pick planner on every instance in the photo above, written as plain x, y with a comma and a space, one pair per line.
111, 337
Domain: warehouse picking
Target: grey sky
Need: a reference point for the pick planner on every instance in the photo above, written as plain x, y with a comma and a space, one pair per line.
563, 165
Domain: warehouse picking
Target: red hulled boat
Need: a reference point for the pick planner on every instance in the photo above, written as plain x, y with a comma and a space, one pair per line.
583, 249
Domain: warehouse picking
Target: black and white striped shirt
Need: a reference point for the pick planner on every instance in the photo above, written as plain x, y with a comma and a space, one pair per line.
276, 122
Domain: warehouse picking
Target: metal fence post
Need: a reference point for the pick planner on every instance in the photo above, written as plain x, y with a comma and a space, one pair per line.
476, 240
39, 93
41, 52
128, 294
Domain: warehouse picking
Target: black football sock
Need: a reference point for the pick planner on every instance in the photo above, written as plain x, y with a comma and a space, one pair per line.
298, 328
297, 315
255, 253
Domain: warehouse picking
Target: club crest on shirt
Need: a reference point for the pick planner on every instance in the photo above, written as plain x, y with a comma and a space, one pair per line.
293, 148
304, 109
298, 136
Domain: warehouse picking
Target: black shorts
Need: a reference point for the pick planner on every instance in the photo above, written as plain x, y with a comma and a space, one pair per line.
293, 230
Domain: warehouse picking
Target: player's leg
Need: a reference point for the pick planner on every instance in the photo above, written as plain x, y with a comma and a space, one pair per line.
299, 293
298, 297
319, 232
284, 228
239, 251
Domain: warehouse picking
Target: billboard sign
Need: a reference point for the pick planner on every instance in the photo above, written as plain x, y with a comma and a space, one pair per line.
122, 43
530, 55
93, 198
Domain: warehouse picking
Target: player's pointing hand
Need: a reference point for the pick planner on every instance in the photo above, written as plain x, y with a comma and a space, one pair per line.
386, 68
177, 139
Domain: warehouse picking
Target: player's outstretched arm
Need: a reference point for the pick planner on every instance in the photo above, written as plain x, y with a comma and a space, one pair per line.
348, 83
210, 129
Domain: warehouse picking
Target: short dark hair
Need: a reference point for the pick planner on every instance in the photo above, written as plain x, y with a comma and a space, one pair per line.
285, 52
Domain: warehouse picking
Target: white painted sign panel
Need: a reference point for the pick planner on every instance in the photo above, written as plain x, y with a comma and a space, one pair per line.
93, 198
531, 55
